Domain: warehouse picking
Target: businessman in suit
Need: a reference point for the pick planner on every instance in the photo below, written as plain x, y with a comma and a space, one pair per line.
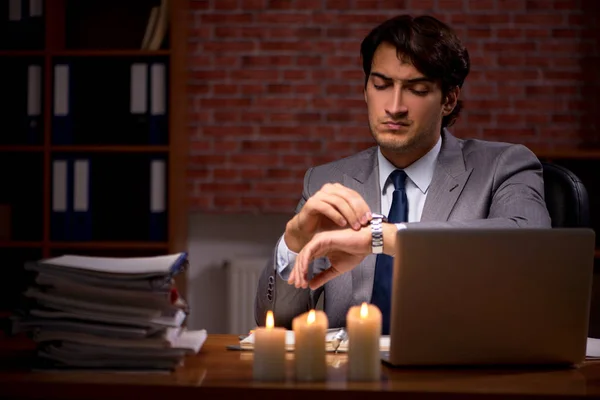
418, 172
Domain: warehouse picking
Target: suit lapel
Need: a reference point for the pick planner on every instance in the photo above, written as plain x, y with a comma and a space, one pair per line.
364, 179
449, 179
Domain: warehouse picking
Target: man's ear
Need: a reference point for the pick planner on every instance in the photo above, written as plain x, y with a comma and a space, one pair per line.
451, 100
365, 93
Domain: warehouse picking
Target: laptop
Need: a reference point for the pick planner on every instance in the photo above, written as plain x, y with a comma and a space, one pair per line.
490, 296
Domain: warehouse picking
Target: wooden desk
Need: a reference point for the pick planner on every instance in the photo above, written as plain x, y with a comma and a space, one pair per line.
220, 373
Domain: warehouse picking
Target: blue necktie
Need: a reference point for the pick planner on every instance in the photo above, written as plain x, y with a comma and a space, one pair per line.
382, 283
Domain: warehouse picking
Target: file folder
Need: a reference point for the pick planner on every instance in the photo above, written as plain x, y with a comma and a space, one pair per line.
81, 227
62, 123
158, 200
59, 221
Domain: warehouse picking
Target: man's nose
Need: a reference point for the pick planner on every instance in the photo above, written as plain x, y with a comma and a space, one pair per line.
396, 106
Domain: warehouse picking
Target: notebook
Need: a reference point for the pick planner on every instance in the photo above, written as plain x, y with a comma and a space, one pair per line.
491, 296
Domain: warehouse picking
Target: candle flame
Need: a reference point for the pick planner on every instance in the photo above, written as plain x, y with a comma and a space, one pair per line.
364, 310
311, 317
270, 319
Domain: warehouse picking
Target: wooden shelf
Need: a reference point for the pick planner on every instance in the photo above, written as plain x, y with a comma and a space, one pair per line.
110, 245
21, 148
110, 148
84, 53
7, 244
22, 53
108, 53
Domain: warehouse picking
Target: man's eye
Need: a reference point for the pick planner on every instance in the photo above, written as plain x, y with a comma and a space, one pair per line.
419, 92
380, 87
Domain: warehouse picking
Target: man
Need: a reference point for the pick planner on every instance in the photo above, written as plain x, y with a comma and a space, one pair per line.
418, 173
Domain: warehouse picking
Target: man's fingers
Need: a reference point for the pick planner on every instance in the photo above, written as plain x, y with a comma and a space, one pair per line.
355, 201
323, 277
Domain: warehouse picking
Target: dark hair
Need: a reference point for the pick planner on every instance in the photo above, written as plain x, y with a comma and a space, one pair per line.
428, 44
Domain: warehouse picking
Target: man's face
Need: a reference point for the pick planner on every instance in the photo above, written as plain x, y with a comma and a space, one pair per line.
405, 108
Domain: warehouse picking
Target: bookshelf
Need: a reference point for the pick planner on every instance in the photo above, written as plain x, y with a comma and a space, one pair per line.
124, 168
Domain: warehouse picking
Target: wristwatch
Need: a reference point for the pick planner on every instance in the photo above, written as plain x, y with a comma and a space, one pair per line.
377, 232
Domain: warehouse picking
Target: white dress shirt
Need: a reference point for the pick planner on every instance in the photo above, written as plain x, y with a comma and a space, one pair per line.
419, 176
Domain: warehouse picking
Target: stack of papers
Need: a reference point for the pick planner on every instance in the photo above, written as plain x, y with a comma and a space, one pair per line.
108, 313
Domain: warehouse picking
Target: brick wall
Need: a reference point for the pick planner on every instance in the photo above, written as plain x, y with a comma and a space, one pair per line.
276, 86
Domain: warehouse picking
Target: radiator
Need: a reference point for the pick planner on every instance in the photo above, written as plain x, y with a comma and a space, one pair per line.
242, 278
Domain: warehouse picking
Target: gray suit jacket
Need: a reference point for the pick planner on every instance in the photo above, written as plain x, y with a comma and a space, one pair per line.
475, 184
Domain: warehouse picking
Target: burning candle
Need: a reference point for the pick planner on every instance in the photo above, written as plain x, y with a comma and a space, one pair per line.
269, 352
309, 345
364, 330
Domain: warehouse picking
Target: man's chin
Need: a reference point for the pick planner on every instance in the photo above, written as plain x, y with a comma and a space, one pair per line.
395, 145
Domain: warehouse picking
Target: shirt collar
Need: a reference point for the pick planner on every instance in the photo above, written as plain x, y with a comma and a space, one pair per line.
420, 172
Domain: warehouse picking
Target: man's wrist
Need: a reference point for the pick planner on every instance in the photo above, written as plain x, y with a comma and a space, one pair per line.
293, 238
389, 238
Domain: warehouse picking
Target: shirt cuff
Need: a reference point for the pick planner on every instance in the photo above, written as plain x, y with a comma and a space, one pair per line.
401, 226
285, 259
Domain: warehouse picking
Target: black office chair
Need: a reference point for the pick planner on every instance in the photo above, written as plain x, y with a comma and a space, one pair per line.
566, 197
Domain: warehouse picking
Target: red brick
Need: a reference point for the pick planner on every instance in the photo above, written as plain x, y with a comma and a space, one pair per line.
262, 61
421, 4
226, 146
540, 19
226, 18
474, 118
224, 102
221, 47
197, 146
208, 75
279, 89
207, 159
226, 4
283, 18
448, 5
252, 173
253, 160
229, 132
222, 174
265, 145
294, 75
199, 174
482, 5
338, 4
308, 89
199, 5
280, 4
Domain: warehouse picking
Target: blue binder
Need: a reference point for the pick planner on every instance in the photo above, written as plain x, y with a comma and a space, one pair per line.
158, 200
158, 103
81, 217
59, 216
62, 120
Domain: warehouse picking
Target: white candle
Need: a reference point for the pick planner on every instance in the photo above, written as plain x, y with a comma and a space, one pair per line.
309, 345
364, 330
269, 352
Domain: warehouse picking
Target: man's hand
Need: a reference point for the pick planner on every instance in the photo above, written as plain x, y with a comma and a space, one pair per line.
345, 248
333, 207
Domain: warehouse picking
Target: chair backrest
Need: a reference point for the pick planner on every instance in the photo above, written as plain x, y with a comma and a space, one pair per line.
566, 197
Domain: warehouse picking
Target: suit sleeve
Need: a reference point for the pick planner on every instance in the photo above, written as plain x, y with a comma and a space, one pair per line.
517, 198
273, 293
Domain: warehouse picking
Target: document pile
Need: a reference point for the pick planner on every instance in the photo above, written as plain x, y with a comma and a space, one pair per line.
108, 313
